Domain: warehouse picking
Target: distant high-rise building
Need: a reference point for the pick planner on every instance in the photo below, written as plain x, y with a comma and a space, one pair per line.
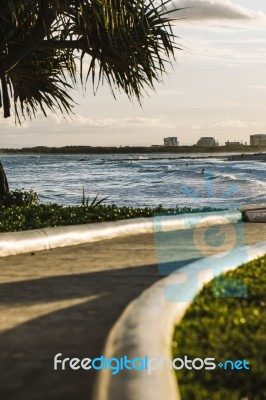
233, 144
171, 141
258, 140
207, 142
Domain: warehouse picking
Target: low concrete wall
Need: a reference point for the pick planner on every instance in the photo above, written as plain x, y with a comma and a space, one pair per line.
49, 238
146, 327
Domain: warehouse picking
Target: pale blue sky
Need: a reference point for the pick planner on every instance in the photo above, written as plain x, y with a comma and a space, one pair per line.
217, 88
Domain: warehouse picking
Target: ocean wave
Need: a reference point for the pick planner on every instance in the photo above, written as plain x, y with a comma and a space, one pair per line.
144, 170
138, 181
227, 177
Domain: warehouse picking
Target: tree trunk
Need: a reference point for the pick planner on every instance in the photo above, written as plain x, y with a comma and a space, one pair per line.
4, 188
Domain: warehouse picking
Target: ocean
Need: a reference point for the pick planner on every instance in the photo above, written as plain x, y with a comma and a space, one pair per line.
139, 180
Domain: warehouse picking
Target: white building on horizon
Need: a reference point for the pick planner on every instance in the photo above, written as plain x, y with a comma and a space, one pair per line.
207, 142
233, 144
171, 141
258, 140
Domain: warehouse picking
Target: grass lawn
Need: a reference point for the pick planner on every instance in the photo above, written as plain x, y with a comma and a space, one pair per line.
226, 328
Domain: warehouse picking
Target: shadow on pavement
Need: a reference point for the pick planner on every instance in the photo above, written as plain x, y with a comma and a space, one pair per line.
27, 351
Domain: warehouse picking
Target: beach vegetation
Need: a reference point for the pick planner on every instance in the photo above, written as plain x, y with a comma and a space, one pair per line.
91, 203
226, 328
18, 198
21, 210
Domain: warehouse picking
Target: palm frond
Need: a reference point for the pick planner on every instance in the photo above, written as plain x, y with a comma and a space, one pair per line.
129, 44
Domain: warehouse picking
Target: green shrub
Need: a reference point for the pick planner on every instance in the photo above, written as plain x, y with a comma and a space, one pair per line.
19, 197
226, 328
34, 216
93, 203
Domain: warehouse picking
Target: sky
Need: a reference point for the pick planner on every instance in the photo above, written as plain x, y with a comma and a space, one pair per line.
217, 87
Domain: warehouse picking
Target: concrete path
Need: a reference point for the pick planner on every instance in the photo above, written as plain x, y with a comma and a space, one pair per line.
66, 300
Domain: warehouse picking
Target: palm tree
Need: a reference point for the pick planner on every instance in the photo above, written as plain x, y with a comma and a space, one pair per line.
43, 45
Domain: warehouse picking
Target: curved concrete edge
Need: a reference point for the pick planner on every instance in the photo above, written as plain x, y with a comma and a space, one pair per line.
146, 327
254, 206
49, 238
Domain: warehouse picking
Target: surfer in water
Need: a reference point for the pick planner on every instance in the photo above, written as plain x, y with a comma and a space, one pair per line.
202, 170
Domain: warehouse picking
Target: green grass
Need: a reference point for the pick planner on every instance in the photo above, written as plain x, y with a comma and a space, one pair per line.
226, 328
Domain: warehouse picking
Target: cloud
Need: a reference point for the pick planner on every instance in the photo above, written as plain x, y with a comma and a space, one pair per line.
196, 127
230, 54
204, 10
6, 123
81, 123
89, 123
237, 124
260, 87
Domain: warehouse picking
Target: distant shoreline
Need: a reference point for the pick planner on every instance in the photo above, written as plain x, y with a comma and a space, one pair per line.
71, 150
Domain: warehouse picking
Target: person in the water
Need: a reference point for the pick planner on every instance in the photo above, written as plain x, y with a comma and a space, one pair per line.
202, 170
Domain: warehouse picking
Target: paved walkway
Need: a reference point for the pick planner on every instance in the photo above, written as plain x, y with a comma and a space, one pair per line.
66, 300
